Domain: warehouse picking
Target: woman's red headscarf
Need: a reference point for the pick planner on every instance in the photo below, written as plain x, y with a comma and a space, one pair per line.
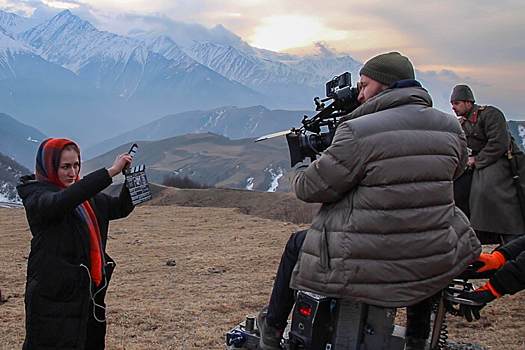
48, 160
47, 164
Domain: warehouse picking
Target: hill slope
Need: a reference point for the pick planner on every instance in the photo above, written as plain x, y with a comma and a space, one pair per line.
10, 171
19, 141
229, 121
210, 159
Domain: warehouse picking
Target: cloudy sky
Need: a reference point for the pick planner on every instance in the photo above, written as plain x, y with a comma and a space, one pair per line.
479, 42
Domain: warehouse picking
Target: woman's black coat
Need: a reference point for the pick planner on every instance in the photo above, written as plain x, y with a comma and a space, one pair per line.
58, 294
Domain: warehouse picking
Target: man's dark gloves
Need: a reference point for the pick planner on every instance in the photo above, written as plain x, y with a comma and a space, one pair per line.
485, 266
480, 297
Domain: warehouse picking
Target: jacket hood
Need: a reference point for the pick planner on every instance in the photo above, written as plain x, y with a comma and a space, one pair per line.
28, 183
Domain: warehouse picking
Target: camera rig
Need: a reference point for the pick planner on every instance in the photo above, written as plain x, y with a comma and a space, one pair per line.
316, 133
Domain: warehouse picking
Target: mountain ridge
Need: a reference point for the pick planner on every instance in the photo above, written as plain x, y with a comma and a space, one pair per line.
142, 80
228, 121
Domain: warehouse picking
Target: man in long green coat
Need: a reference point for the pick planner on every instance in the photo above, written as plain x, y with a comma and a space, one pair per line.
495, 210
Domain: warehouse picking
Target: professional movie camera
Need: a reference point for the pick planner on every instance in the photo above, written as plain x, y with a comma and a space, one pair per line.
317, 132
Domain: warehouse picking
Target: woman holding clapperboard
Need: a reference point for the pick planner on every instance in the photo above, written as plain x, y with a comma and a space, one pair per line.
68, 270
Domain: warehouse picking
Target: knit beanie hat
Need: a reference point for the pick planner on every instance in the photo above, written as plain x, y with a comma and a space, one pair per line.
462, 93
387, 68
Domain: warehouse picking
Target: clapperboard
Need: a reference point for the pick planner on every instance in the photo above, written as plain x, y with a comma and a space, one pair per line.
136, 181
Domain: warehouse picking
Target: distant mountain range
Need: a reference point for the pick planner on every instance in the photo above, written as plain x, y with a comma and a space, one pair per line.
63, 76
232, 122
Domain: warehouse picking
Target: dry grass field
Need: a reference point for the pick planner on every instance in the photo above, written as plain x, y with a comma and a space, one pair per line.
223, 266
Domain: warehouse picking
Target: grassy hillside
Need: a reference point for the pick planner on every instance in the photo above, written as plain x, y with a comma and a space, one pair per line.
209, 159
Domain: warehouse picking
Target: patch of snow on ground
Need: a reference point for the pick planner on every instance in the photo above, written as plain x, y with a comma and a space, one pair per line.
249, 183
274, 184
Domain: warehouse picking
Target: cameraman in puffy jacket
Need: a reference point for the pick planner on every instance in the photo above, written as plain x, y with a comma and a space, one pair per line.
506, 265
388, 232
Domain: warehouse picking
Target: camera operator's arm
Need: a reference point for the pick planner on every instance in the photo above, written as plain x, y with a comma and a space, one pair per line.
333, 174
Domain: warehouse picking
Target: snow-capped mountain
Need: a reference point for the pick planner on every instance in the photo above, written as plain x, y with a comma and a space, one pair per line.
248, 69
8, 45
10, 20
289, 86
330, 67
92, 54
65, 75
14, 23
47, 96
143, 84
73, 43
166, 47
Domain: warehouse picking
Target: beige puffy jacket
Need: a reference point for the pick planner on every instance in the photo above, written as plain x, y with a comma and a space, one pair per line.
388, 233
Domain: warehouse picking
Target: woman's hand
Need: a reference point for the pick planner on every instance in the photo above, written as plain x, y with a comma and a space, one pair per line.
121, 162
